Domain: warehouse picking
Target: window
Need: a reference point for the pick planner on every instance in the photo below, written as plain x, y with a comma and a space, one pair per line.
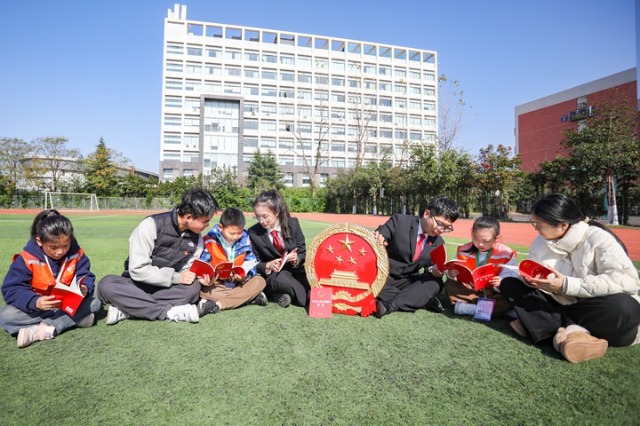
172, 139
212, 87
385, 86
194, 51
429, 76
321, 96
287, 76
400, 73
251, 56
173, 84
337, 97
233, 71
414, 74
250, 90
194, 68
269, 108
192, 121
400, 88
213, 70
304, 41
251, 142
385, 118
385, 102
414, 90
335, 81
174, 66
251, 73
287, 60
251, 124
214, 53
172, 120
415, 136
304, 77
337, 66
268, 91
176, 49
271, 59
354, 84
269, 75
173, 102
429, 106
369, 84
386, 71
287, 92
304, 94
400, 103
268, 143
304, 62
193, 86
322, 80
234, 55
369, 69
338, 147
194, 29
251, 35
385, 133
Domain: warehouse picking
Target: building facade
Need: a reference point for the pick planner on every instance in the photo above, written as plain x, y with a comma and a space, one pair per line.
541, 124
229, 91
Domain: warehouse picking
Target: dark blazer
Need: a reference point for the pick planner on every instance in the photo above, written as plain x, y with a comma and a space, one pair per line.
266, 252
401, 233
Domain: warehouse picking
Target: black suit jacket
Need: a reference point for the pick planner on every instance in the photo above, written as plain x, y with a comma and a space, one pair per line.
401, 233
266, 252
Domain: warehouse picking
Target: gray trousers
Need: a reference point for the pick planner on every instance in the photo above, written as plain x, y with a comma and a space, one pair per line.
13, 319
141, 300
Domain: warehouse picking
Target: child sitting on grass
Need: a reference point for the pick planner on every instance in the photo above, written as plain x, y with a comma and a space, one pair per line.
483, 248
229, 242
51, 255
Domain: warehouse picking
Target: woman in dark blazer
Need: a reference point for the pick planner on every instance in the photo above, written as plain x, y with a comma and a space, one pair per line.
275, 234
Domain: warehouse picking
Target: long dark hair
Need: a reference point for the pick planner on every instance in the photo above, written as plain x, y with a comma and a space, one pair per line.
556, 209
49, 225
273, 200
484, 222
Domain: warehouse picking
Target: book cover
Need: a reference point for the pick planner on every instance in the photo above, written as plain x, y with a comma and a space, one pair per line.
283, 260
70, 296
479, 278
223, 270
320, 302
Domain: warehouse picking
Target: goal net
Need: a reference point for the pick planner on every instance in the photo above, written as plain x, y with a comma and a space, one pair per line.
71, 201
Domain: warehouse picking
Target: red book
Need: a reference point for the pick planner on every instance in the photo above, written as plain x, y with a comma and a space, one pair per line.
224, 270
70, 295
530, 269
479, 278
320, 302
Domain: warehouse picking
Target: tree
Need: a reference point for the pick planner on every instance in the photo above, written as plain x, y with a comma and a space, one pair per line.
12, 151
101, 171
451, 109
604, 150
264, 173
53, 157
498, 172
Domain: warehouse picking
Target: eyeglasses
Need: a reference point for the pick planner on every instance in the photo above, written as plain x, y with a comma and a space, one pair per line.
263, 218
441, 226
536, 225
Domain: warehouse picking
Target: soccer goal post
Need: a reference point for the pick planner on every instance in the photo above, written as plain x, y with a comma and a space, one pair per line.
71, 201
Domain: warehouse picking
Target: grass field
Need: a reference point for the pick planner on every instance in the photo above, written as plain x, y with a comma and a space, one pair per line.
268, 366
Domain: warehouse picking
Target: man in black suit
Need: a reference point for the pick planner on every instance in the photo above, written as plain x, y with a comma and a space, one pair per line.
409, 241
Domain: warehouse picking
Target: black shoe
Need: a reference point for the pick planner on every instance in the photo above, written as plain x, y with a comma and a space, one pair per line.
283, 299
381, 309
434, 305
260, 300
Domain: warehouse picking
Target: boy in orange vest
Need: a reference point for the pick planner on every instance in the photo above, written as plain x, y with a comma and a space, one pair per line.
229, 242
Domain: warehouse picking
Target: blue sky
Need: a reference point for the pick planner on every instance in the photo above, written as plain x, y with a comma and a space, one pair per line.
85, 69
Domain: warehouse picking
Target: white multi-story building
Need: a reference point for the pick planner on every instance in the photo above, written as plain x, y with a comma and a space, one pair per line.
230, 90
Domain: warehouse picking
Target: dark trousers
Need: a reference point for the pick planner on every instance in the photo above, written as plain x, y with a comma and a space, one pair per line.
411, 293
614, 317
290, 281
145, 301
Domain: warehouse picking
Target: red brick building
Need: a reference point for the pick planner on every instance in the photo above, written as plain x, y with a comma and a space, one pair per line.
541, 124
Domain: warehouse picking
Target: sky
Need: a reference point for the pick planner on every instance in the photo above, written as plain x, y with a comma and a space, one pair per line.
86, 69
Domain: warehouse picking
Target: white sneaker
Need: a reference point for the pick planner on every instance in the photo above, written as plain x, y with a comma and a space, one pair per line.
28, 335
86, 321
462, 308
115, 315
183, 313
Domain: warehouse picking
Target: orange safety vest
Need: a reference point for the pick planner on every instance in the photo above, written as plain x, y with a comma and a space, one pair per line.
218, 254
42, 279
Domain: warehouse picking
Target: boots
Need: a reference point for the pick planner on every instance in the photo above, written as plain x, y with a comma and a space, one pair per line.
579, 346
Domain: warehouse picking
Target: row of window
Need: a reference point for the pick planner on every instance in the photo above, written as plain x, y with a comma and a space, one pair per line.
316, 42
308, 78
299, 62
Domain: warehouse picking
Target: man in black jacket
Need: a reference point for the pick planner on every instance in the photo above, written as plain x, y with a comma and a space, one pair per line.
409, 241
157, 283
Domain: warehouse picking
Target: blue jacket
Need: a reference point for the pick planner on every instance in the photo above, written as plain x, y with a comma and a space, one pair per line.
16, 288
240, 247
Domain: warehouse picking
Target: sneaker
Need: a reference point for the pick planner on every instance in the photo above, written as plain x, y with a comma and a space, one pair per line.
207, 307
115, 315
86, 321
183, 313
28, 335
462, 308
260, 300
283, 300
580, 346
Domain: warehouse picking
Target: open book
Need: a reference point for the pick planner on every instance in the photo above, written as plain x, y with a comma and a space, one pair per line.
224, 270
530, 269
70, 295
479, 278
283, 260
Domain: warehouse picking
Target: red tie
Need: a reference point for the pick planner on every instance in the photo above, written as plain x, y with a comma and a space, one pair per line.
277, 242
421, 238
